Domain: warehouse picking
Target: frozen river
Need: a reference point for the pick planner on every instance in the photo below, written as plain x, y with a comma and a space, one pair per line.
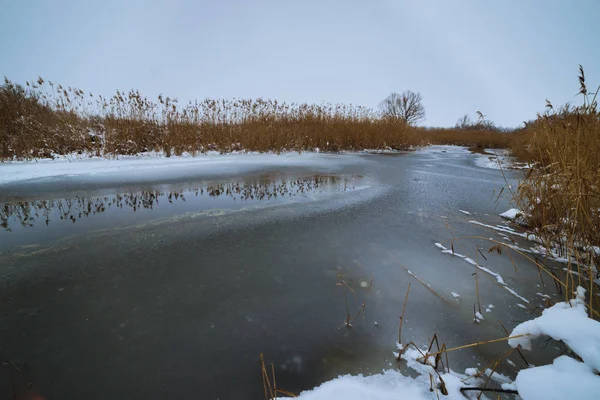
167, 281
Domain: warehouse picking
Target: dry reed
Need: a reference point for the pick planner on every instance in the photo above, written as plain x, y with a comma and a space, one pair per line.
44, 119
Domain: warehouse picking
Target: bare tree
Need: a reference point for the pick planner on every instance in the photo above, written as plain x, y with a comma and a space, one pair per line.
406, 106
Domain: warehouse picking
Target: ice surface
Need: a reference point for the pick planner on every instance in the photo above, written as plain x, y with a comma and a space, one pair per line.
157, 163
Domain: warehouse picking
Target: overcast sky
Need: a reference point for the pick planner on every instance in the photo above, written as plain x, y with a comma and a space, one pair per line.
501, 57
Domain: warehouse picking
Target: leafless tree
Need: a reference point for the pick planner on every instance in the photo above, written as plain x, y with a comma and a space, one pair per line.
406, 106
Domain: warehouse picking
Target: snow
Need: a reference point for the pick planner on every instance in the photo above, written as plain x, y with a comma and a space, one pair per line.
521, 306
565, 378
464, 212
448, 149
156, 164
498, 277
498, 377
511, 291
500, 229
455, 295
511, 214
490, 162
500, 160
478, 317
566, 321
390, 385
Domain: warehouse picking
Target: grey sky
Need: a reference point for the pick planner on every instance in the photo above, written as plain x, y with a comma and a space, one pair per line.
501, 57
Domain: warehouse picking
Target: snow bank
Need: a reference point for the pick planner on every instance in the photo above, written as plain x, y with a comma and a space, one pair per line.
390, 385
393, 385
568, 322
565, 378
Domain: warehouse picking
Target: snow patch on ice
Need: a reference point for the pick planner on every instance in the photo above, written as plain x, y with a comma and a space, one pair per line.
500, 229
511, 214
490, 162
385, 386
498, 277
478, 317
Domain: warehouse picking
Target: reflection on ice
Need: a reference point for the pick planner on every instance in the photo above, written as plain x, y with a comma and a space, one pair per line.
27, 213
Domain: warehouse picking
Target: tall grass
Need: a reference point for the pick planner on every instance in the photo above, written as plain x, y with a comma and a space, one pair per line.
43, 118
561, 192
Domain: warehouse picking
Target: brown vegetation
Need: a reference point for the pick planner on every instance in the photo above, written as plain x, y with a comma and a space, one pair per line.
561, 193
42, 119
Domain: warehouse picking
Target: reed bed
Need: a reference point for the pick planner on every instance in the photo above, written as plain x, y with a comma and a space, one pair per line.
42, 119
560, 194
